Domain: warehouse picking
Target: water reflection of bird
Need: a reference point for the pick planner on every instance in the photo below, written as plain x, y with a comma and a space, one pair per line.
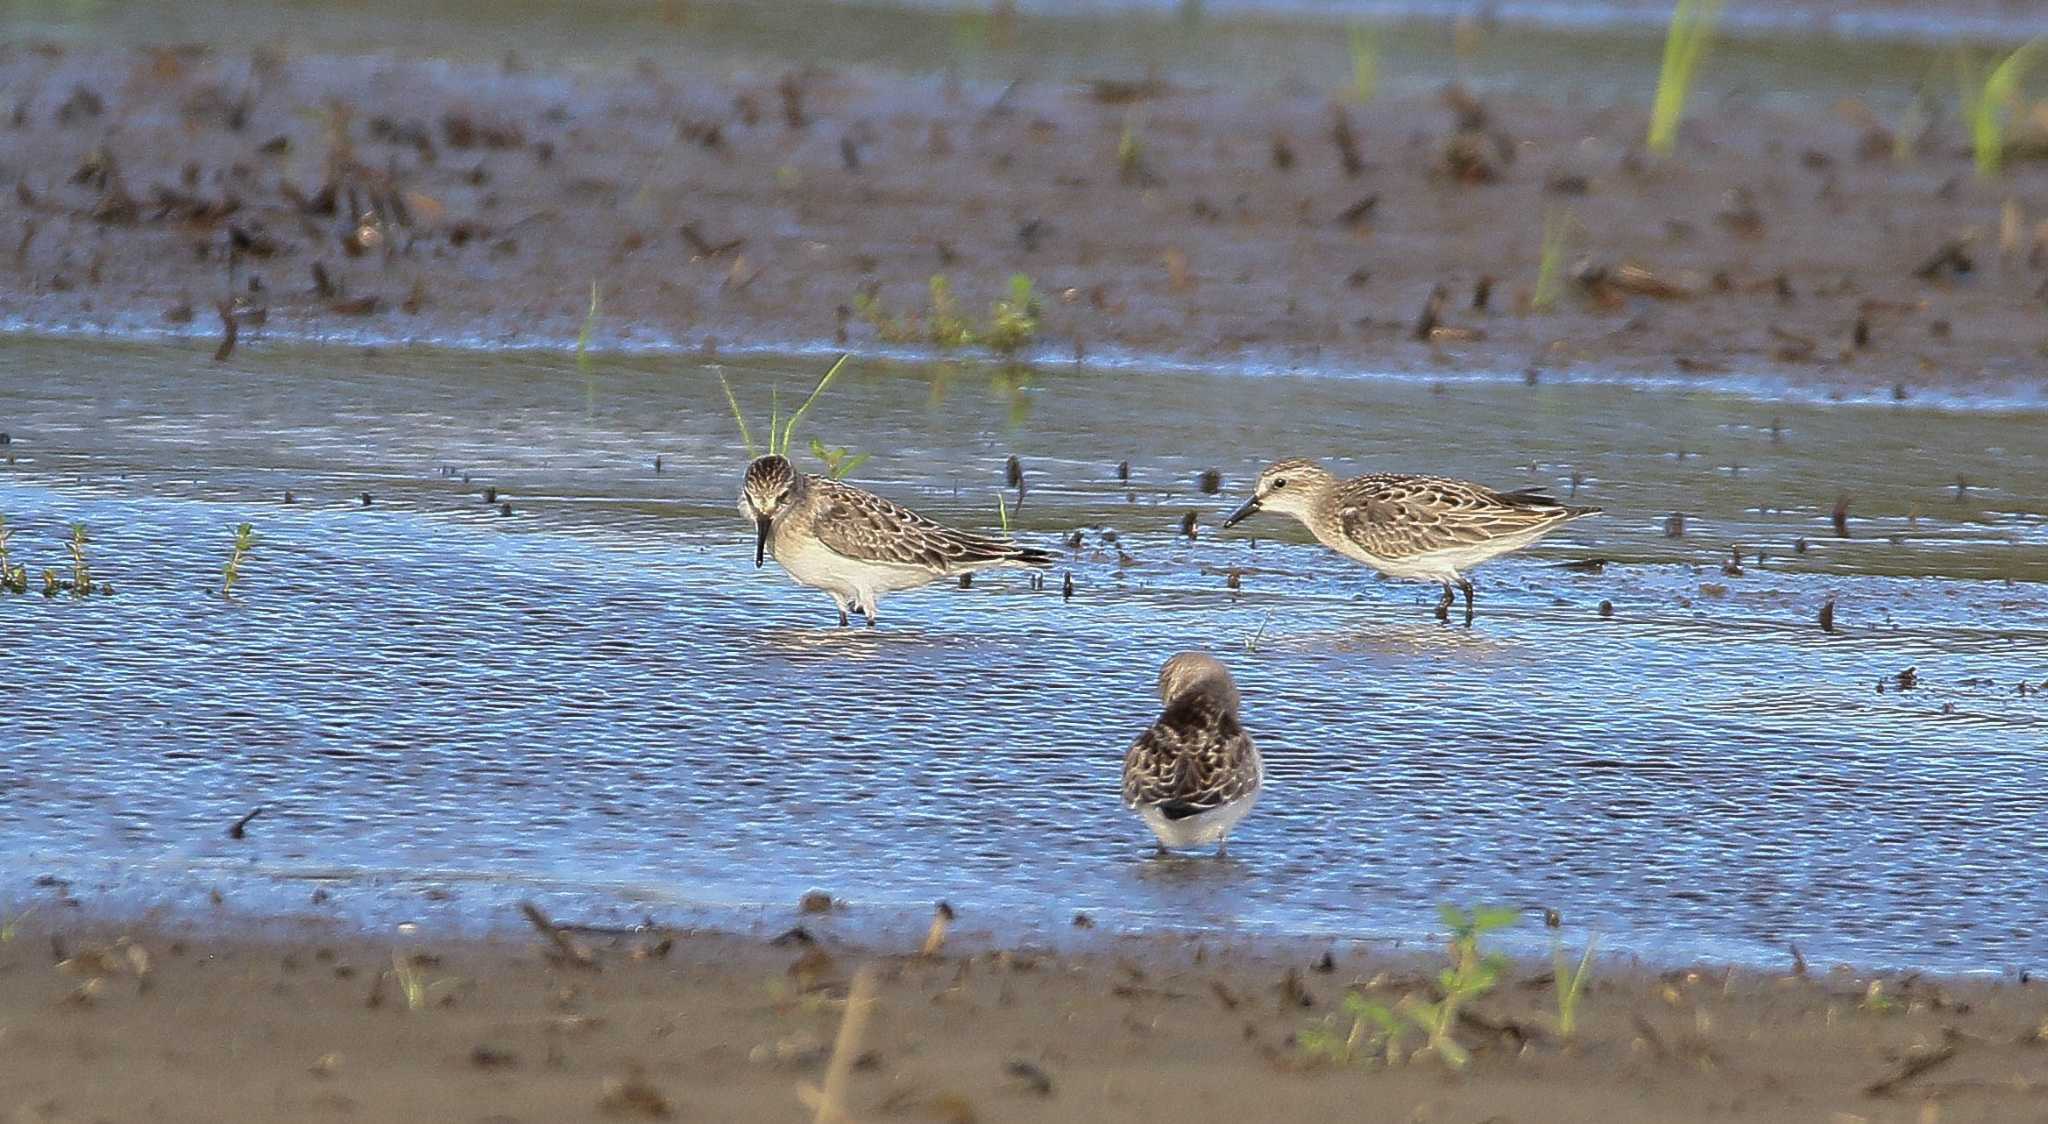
855, 545
1427, 528
1195, 773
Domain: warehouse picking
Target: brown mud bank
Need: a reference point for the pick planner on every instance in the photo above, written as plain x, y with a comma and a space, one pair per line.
104, 1021
179, 189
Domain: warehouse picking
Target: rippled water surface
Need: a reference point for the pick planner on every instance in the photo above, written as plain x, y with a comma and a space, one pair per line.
598, 698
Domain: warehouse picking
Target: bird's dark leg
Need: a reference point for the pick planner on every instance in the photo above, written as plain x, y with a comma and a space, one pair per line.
868, 611
1443, 608
1464, 584
843, 622
1219, 849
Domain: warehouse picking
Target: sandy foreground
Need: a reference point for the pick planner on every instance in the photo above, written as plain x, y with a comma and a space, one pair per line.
173, 189
110, 1022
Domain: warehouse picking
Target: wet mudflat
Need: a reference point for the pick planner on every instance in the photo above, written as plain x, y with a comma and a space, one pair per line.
596, 700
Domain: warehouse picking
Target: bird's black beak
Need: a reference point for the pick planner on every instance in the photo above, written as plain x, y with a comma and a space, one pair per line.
1250, 508
761, 524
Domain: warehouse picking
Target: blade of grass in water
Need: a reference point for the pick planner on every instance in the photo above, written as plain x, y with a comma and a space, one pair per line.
1984, 104
733, 400
1685, 42
789, 429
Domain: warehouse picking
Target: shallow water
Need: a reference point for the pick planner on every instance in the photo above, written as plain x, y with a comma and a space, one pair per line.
599, 700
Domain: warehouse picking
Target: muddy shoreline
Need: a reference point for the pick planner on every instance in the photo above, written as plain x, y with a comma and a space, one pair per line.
383, 200
108, 1019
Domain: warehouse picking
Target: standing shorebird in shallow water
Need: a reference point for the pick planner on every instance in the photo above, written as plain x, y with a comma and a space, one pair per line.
1426, 528
1195, 773
854, 544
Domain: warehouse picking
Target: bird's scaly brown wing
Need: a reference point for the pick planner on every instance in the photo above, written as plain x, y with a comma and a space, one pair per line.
1398, 516
1195, 756
860, 524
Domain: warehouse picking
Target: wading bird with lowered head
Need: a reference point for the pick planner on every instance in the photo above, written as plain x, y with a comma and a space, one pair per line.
1195, 773
855, 545
1424, 528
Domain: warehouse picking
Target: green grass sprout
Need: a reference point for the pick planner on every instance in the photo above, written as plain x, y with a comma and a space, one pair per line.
12, 577
1365, 64
789, 428
589, 329
1570, 984
1557, 226
1003, 513
1013, 320
733, 400
1251, 643
1376, 1030
12, 928
782, 433
1470, 975
81, 572
839, 463
1685, 43
245, 541
1987, 102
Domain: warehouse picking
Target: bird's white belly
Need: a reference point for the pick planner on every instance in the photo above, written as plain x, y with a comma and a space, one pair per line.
1202, 828
1437, 565
809, 562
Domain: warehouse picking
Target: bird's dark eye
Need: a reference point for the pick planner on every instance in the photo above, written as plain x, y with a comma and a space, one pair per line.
1280, 483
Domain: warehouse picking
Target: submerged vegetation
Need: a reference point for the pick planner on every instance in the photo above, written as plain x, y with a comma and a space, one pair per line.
1011, 327
1685, 43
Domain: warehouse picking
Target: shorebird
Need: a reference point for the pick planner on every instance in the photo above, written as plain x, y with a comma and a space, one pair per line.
1426, 528
1195, 772
855, 545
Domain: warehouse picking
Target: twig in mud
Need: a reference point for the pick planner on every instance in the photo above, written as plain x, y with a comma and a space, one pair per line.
829, 1102
1841, 517
1360, 212
1432, 314
241, 828
229, 330
566, 948
1347, 145
702, 248
1918, 1064
935, 937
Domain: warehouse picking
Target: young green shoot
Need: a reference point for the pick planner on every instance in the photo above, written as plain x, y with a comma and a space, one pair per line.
1685, 43
1365, 64
1013, 320
12, 928
245, 541
839, 463
789, 429
1003, 514
1251, 643
589, 329
1130, 154
81, 573
1471, 974
733, 401
413, 984
1376, 1030
949, 329
12, 577
1550, 266
1570, 983
1988, 102
782, 434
